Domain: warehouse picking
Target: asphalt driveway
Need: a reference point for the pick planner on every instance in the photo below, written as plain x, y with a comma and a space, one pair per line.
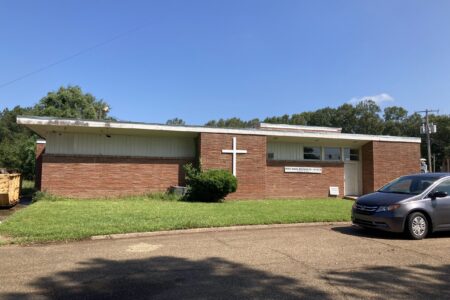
326, 262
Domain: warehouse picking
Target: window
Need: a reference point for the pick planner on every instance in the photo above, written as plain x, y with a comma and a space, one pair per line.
351, 154
311, 153
443, 187
284, 151
413, 185
332, 153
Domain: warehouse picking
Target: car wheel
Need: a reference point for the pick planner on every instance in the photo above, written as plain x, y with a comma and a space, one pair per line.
417, 226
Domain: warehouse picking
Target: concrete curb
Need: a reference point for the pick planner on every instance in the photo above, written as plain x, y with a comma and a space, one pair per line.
210, 229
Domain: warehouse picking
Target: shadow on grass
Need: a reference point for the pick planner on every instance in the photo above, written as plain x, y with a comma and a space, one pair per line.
166, 278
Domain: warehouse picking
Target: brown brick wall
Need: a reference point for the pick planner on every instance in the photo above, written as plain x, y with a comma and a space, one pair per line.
259, 178
108, 176
385, 161
102, 176
250, 167
303, 185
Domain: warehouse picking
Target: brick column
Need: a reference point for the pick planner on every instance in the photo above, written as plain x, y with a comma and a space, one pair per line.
385, 161
40, 150
250, 167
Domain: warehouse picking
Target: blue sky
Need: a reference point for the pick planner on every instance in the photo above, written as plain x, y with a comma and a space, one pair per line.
203, 60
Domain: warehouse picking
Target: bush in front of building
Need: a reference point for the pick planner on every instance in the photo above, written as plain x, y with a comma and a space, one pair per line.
208, 186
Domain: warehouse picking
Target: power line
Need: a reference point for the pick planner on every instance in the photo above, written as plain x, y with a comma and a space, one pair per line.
72, 56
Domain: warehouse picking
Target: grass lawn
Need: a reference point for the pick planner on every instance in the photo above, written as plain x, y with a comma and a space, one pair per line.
70, 219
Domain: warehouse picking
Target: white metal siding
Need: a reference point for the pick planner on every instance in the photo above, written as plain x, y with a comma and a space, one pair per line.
120, 145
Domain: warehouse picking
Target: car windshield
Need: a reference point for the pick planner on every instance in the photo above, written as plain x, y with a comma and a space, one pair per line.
412, 185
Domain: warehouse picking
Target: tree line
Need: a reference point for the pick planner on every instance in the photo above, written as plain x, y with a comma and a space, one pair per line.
17, 143
365, 117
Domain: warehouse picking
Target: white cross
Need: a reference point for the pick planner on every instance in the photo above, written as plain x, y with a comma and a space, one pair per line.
234, 151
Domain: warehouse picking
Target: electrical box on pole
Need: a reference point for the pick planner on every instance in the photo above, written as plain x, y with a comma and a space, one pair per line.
432, 128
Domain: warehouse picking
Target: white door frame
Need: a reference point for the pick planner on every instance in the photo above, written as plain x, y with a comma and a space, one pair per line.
359, 170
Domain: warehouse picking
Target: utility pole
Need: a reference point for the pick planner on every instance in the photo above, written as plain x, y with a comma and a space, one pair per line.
434, 162
427, 129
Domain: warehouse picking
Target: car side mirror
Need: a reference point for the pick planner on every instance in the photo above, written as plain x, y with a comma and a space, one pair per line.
437, 194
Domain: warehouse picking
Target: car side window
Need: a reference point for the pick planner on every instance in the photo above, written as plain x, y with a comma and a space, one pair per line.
443, 187
420, 185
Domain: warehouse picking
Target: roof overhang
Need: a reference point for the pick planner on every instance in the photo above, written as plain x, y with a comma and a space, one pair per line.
297, 128
45, 125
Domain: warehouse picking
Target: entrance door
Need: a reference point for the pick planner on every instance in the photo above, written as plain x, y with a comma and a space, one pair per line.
351, 178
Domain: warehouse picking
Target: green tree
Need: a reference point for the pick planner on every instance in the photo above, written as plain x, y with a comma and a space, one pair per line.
72, 102
411, 125
17, 143
323, 117
253, 123
440, 141
395, 113
232, 123
175, 121
284, 119
235, 123
346, 118
394, 120
368, 120
300, 119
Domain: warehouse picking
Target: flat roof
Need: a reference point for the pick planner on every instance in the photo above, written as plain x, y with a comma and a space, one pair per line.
43, 125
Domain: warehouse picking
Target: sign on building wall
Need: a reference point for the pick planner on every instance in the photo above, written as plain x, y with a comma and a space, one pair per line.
302, 170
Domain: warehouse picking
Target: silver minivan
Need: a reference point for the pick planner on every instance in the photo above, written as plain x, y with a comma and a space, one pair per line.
417, 204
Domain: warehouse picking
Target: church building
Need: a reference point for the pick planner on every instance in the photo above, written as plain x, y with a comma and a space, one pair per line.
86, 158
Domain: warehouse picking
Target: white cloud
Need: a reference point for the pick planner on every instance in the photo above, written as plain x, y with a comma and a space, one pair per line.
378, 99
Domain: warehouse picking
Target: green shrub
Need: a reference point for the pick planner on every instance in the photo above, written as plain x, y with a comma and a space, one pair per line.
208, 186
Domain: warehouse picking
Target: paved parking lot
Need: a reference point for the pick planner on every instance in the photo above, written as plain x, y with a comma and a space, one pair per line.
326, 262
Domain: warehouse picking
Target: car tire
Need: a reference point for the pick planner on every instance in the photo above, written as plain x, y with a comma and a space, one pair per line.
417, 226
